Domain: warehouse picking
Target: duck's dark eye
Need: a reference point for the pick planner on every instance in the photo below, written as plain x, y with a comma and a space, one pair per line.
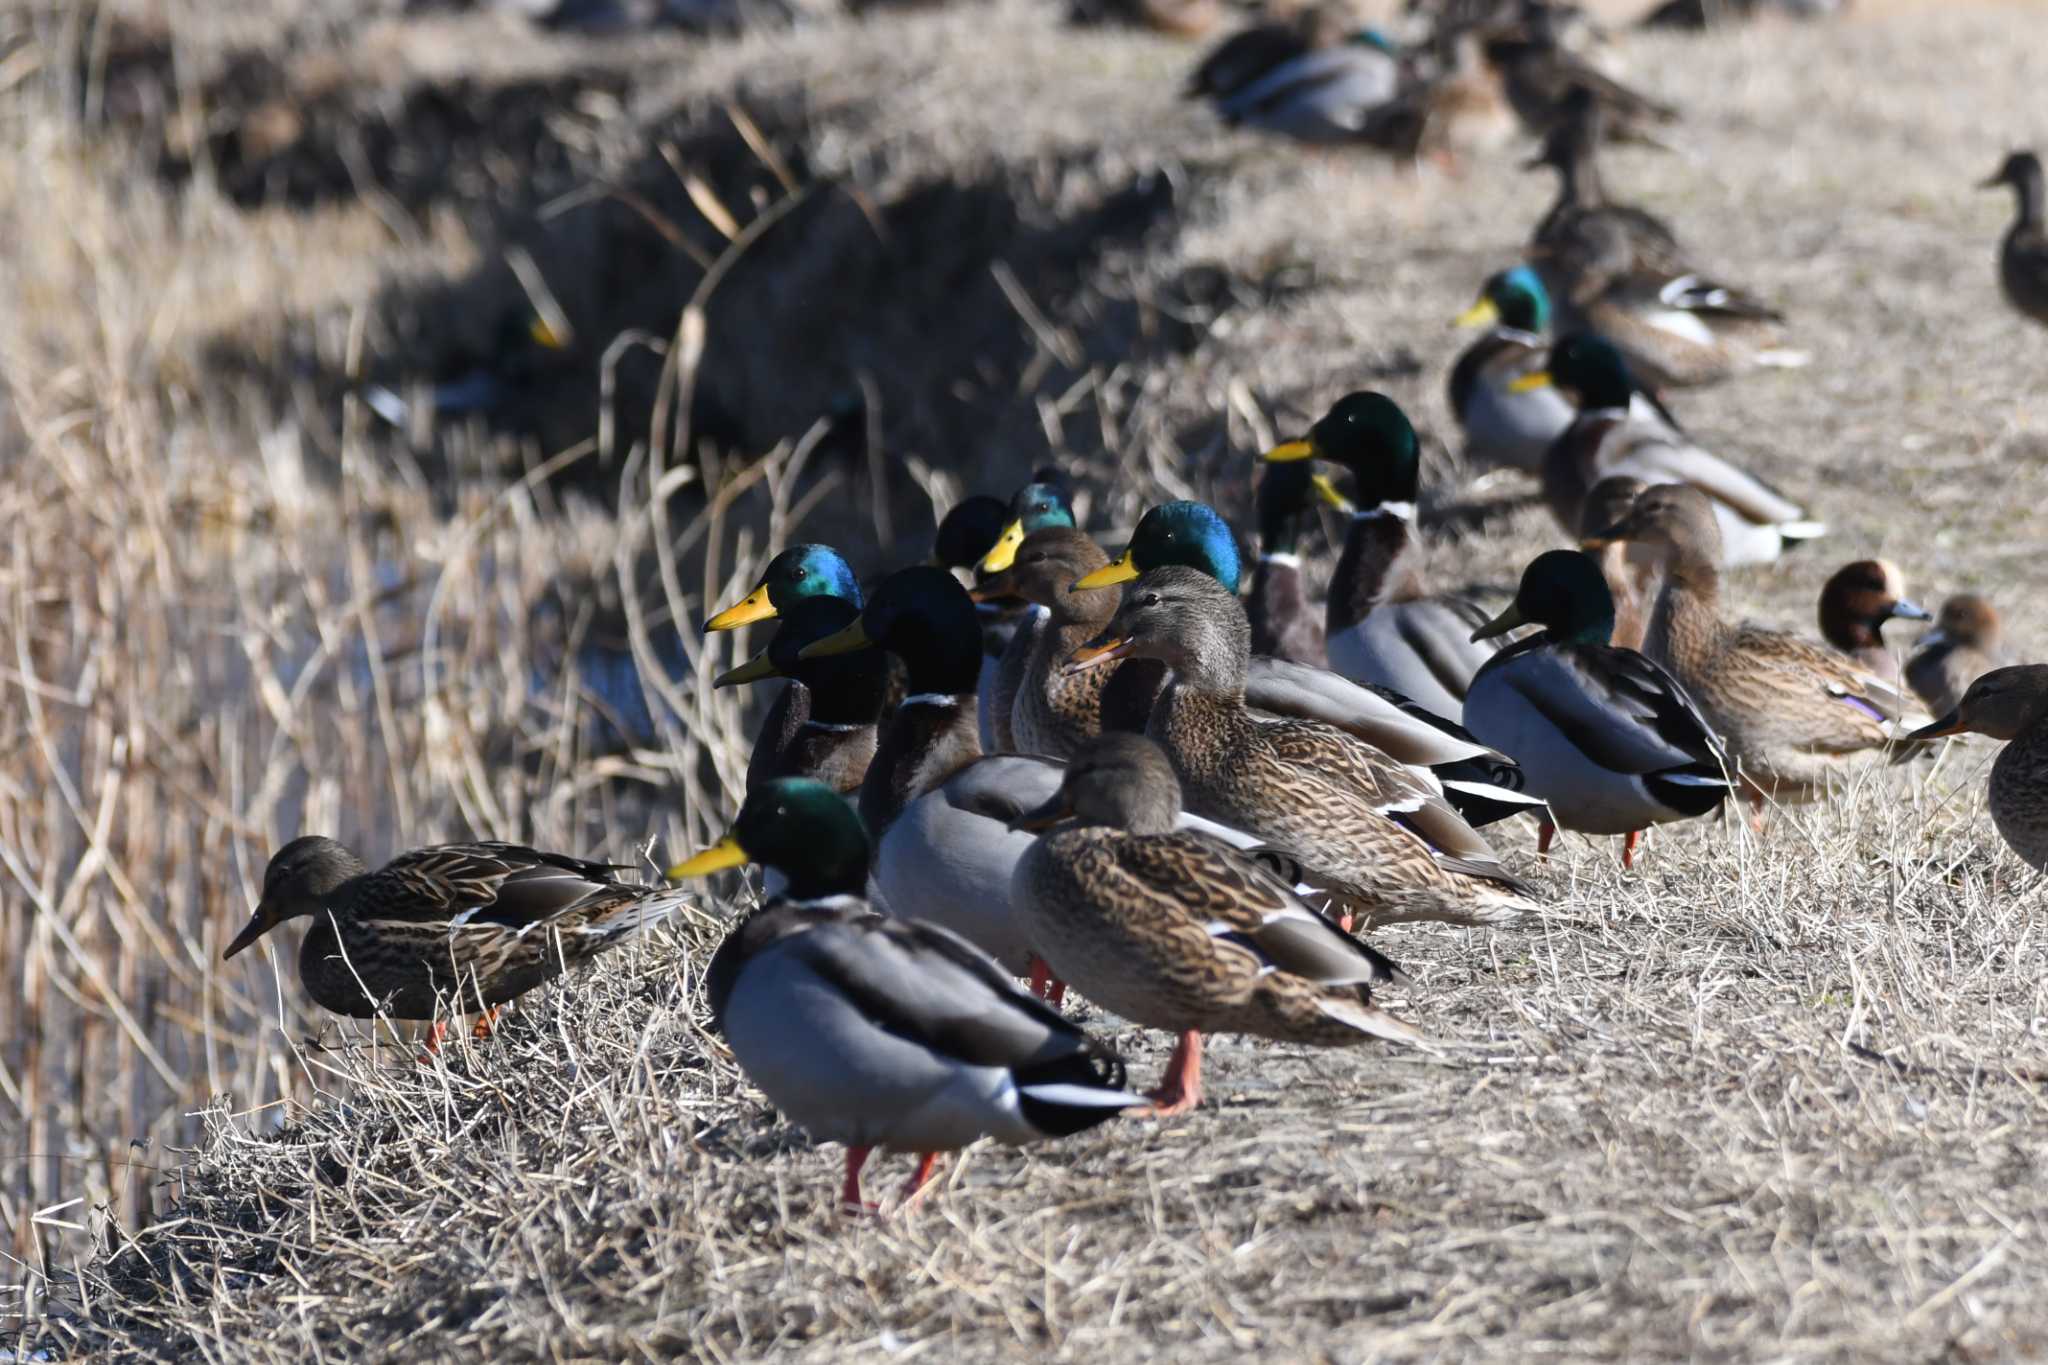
800, 573
1151, 599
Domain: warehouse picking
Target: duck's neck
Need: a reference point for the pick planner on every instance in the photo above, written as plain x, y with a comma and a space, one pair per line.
931, 737
1629, 625
2027, 191
1685, 626
1381, 563
1278, 596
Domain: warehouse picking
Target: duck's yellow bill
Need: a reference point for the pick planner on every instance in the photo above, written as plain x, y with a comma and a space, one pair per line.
717, 858
1327, 490
546, 336
1501, 624
1003, 553
1108, 576
753, 670
1529, 383
1290, 450
1481, 314
1950, 724
844, 641
755, 606
1093, 656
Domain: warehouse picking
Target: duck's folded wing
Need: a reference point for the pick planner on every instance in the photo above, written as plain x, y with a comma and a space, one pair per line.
1615, 706
485, 885
1389, 722
1835, 706
1655, 459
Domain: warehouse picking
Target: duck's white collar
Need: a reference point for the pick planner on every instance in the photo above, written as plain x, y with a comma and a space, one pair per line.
1403, 510
1285, 561
930, 699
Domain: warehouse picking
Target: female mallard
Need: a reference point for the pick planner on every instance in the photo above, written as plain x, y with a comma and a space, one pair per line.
1053, 713
1382, 625
1794, 716
1507, 428
1285, 624
825, 725
456, 926
1854, 605
2023, 256
1379, 836
1547, 83
1965, 644
2010, 704
1619, 272
1631, 577
880, 1032
1175, 930
1622, 430
925, 618
1040, 505
1483, 785
1608, 738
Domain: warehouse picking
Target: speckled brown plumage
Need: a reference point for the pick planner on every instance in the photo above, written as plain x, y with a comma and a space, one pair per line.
1055, 713
462, 926
1965, 644
2011, 704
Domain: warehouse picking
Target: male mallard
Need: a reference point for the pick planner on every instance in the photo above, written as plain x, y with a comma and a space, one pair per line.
1053, 713
1621, 430
1376, 834
1506, 428
1383, 626
1631, 578
1285, 624
1618, 271
1794, 716
460, 926
824, 727
1608, 738
1312, 82
1039, 505
2023, 256
798, 572
1175, 930
925, 618
1965, 644
1854, 605
874, 1031
1483, 785
2010, 704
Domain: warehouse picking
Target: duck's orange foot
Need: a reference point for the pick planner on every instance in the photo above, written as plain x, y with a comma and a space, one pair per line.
1181, 1088
1628, 849
850, 1201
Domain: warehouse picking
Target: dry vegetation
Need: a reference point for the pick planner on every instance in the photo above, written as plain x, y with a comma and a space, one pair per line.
1775, 1096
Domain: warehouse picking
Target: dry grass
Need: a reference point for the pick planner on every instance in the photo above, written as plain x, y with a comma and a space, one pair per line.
1772, 1096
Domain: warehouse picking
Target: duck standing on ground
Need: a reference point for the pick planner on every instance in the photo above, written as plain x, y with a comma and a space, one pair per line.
1965, 644
880, 1032
2023, 255
1607, 737
1285, 623
1173, 929
1793, 716
1622, 429
1382, 625
1505, 428
461, 927
1854, 605
1374, 834
2011, 704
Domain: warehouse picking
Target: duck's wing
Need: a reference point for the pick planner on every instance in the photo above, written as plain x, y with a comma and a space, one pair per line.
1834, 706
1656, 457
1617, 707
486, 885
1382, 718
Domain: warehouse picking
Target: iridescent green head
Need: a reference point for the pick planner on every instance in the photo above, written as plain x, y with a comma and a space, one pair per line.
1185, 533
1513, 298
1590, 369
924, 617
798, 572
1564, 592
1369, 435
1037, 505
801, 828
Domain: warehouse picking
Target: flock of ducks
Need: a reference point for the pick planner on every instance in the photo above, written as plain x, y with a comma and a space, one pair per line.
1173, 781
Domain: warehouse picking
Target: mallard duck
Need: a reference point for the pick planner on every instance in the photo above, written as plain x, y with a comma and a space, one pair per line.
1965, 644
1571, 148
1607, 737
1854, 605
1175, 930
882, 1032
1794, 716
1505, 429
1483, 785
2023, 256
1383, 626
1631, 578
1179, 18
1042, 504
1622, 430
1285, 624
925, 618
798, 572
1309, 80
2010, 704
966, 534
1547, 83
824, 727
465, 927
1053, 713
1373, 832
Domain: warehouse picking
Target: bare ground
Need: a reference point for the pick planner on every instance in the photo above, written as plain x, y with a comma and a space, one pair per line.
1770, 1096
